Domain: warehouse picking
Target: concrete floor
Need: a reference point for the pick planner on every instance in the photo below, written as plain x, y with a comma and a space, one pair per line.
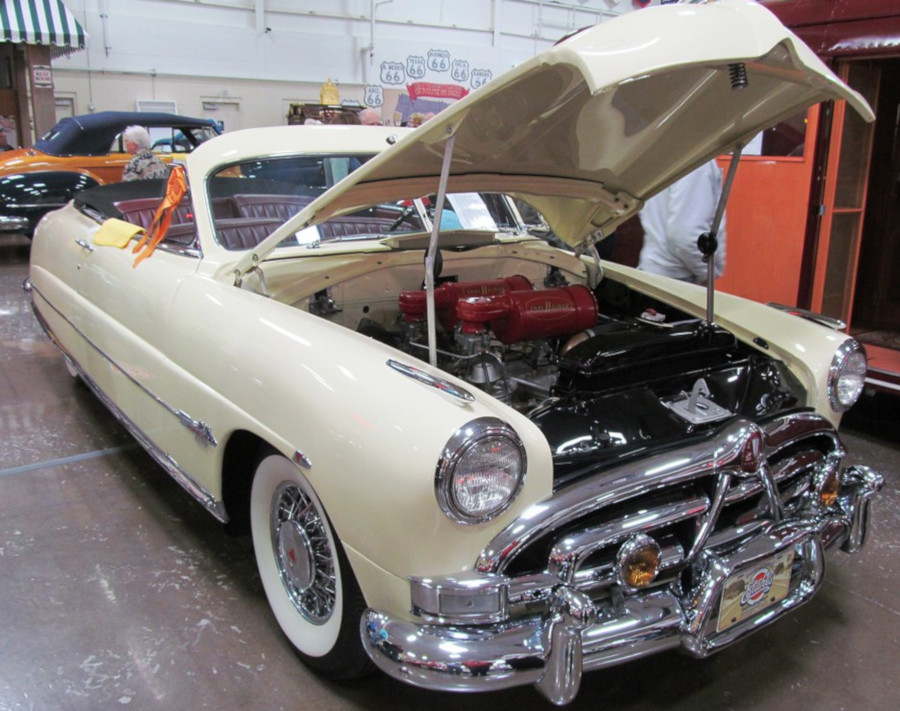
118, 591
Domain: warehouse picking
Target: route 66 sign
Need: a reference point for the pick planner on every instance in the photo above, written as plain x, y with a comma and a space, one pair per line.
480, 77
438, 60
415, 67
374, 95
392, 73
460, 70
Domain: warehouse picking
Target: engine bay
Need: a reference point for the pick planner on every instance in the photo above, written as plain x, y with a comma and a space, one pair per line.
605, 372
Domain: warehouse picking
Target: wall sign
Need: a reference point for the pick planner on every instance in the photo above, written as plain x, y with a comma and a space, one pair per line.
42, 76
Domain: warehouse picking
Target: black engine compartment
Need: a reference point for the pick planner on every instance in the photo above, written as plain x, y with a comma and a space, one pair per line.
645, 376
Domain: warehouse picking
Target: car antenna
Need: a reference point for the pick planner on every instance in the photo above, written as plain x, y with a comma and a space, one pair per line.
707, 243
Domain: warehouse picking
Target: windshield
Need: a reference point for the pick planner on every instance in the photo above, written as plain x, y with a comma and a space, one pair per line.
250, 200
179, 140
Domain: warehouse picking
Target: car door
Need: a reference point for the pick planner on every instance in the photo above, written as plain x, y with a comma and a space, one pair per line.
124, 321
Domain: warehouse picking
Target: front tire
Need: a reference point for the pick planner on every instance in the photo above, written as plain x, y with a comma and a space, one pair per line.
306, 576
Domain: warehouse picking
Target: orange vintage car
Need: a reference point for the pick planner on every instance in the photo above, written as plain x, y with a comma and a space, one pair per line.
81, 152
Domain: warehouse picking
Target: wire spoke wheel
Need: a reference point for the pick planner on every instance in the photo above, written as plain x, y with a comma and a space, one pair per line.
303, 554
308, 582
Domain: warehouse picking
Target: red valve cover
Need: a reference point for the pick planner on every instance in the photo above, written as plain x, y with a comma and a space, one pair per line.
413, 303
530, 315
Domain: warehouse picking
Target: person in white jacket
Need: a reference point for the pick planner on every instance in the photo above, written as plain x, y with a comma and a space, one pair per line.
675, 218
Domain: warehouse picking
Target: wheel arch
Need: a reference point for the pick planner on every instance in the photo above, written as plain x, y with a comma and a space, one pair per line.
242, 453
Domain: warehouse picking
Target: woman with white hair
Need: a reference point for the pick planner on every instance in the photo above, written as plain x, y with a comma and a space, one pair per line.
143, 164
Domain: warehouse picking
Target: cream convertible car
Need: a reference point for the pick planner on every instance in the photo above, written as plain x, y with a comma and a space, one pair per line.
466, 456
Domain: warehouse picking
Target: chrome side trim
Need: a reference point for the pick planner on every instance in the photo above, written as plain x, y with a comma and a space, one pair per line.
444, 386
214, 506
829, 321
200, 429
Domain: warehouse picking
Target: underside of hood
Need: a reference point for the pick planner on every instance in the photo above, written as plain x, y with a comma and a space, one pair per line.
590, 129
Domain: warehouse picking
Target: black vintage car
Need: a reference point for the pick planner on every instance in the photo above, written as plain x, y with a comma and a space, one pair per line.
80, 152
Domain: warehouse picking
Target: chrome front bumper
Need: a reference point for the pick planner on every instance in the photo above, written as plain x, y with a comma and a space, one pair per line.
576, 634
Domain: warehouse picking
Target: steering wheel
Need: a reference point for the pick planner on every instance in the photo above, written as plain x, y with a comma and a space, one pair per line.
407, 211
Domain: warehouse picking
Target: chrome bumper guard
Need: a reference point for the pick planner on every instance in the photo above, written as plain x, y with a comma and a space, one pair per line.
575, 634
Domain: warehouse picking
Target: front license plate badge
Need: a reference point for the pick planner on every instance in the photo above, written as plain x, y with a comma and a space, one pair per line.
755, 588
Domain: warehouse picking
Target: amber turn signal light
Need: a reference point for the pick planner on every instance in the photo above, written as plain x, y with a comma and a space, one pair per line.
829, 489
638, 561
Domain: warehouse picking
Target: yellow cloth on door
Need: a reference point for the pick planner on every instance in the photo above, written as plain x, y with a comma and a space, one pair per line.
116, 233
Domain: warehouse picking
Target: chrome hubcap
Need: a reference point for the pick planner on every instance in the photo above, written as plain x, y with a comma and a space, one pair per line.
302, 553
295, 555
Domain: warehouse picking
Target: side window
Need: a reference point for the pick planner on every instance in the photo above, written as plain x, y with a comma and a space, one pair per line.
250, 200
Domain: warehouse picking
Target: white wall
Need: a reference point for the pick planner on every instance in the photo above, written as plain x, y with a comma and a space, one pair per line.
245, 61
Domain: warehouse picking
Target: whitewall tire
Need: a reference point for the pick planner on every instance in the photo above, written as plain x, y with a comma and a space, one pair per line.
307, 579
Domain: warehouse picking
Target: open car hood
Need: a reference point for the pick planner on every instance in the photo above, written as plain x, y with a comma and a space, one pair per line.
591, 128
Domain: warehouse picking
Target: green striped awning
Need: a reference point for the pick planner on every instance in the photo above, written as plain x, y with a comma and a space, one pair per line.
46, 22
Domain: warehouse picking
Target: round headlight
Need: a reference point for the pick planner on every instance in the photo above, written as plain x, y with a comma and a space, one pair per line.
847, 376
480, 471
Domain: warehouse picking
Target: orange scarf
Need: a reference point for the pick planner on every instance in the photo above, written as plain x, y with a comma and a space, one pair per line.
176, 187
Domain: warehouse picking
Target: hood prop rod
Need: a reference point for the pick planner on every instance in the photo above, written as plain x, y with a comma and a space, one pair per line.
707, 243
432, 250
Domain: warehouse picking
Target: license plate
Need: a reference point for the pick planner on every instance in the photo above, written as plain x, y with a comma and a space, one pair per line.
749, 592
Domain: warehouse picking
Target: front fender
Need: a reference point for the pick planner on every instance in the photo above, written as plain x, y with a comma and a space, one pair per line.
371, 437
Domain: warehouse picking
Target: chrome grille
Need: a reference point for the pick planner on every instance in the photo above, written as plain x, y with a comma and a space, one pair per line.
712, 495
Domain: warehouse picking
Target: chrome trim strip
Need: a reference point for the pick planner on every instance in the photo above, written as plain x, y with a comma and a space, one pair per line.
790, 429
39, 205
444, 386
200, 429
835, 324
214, 506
